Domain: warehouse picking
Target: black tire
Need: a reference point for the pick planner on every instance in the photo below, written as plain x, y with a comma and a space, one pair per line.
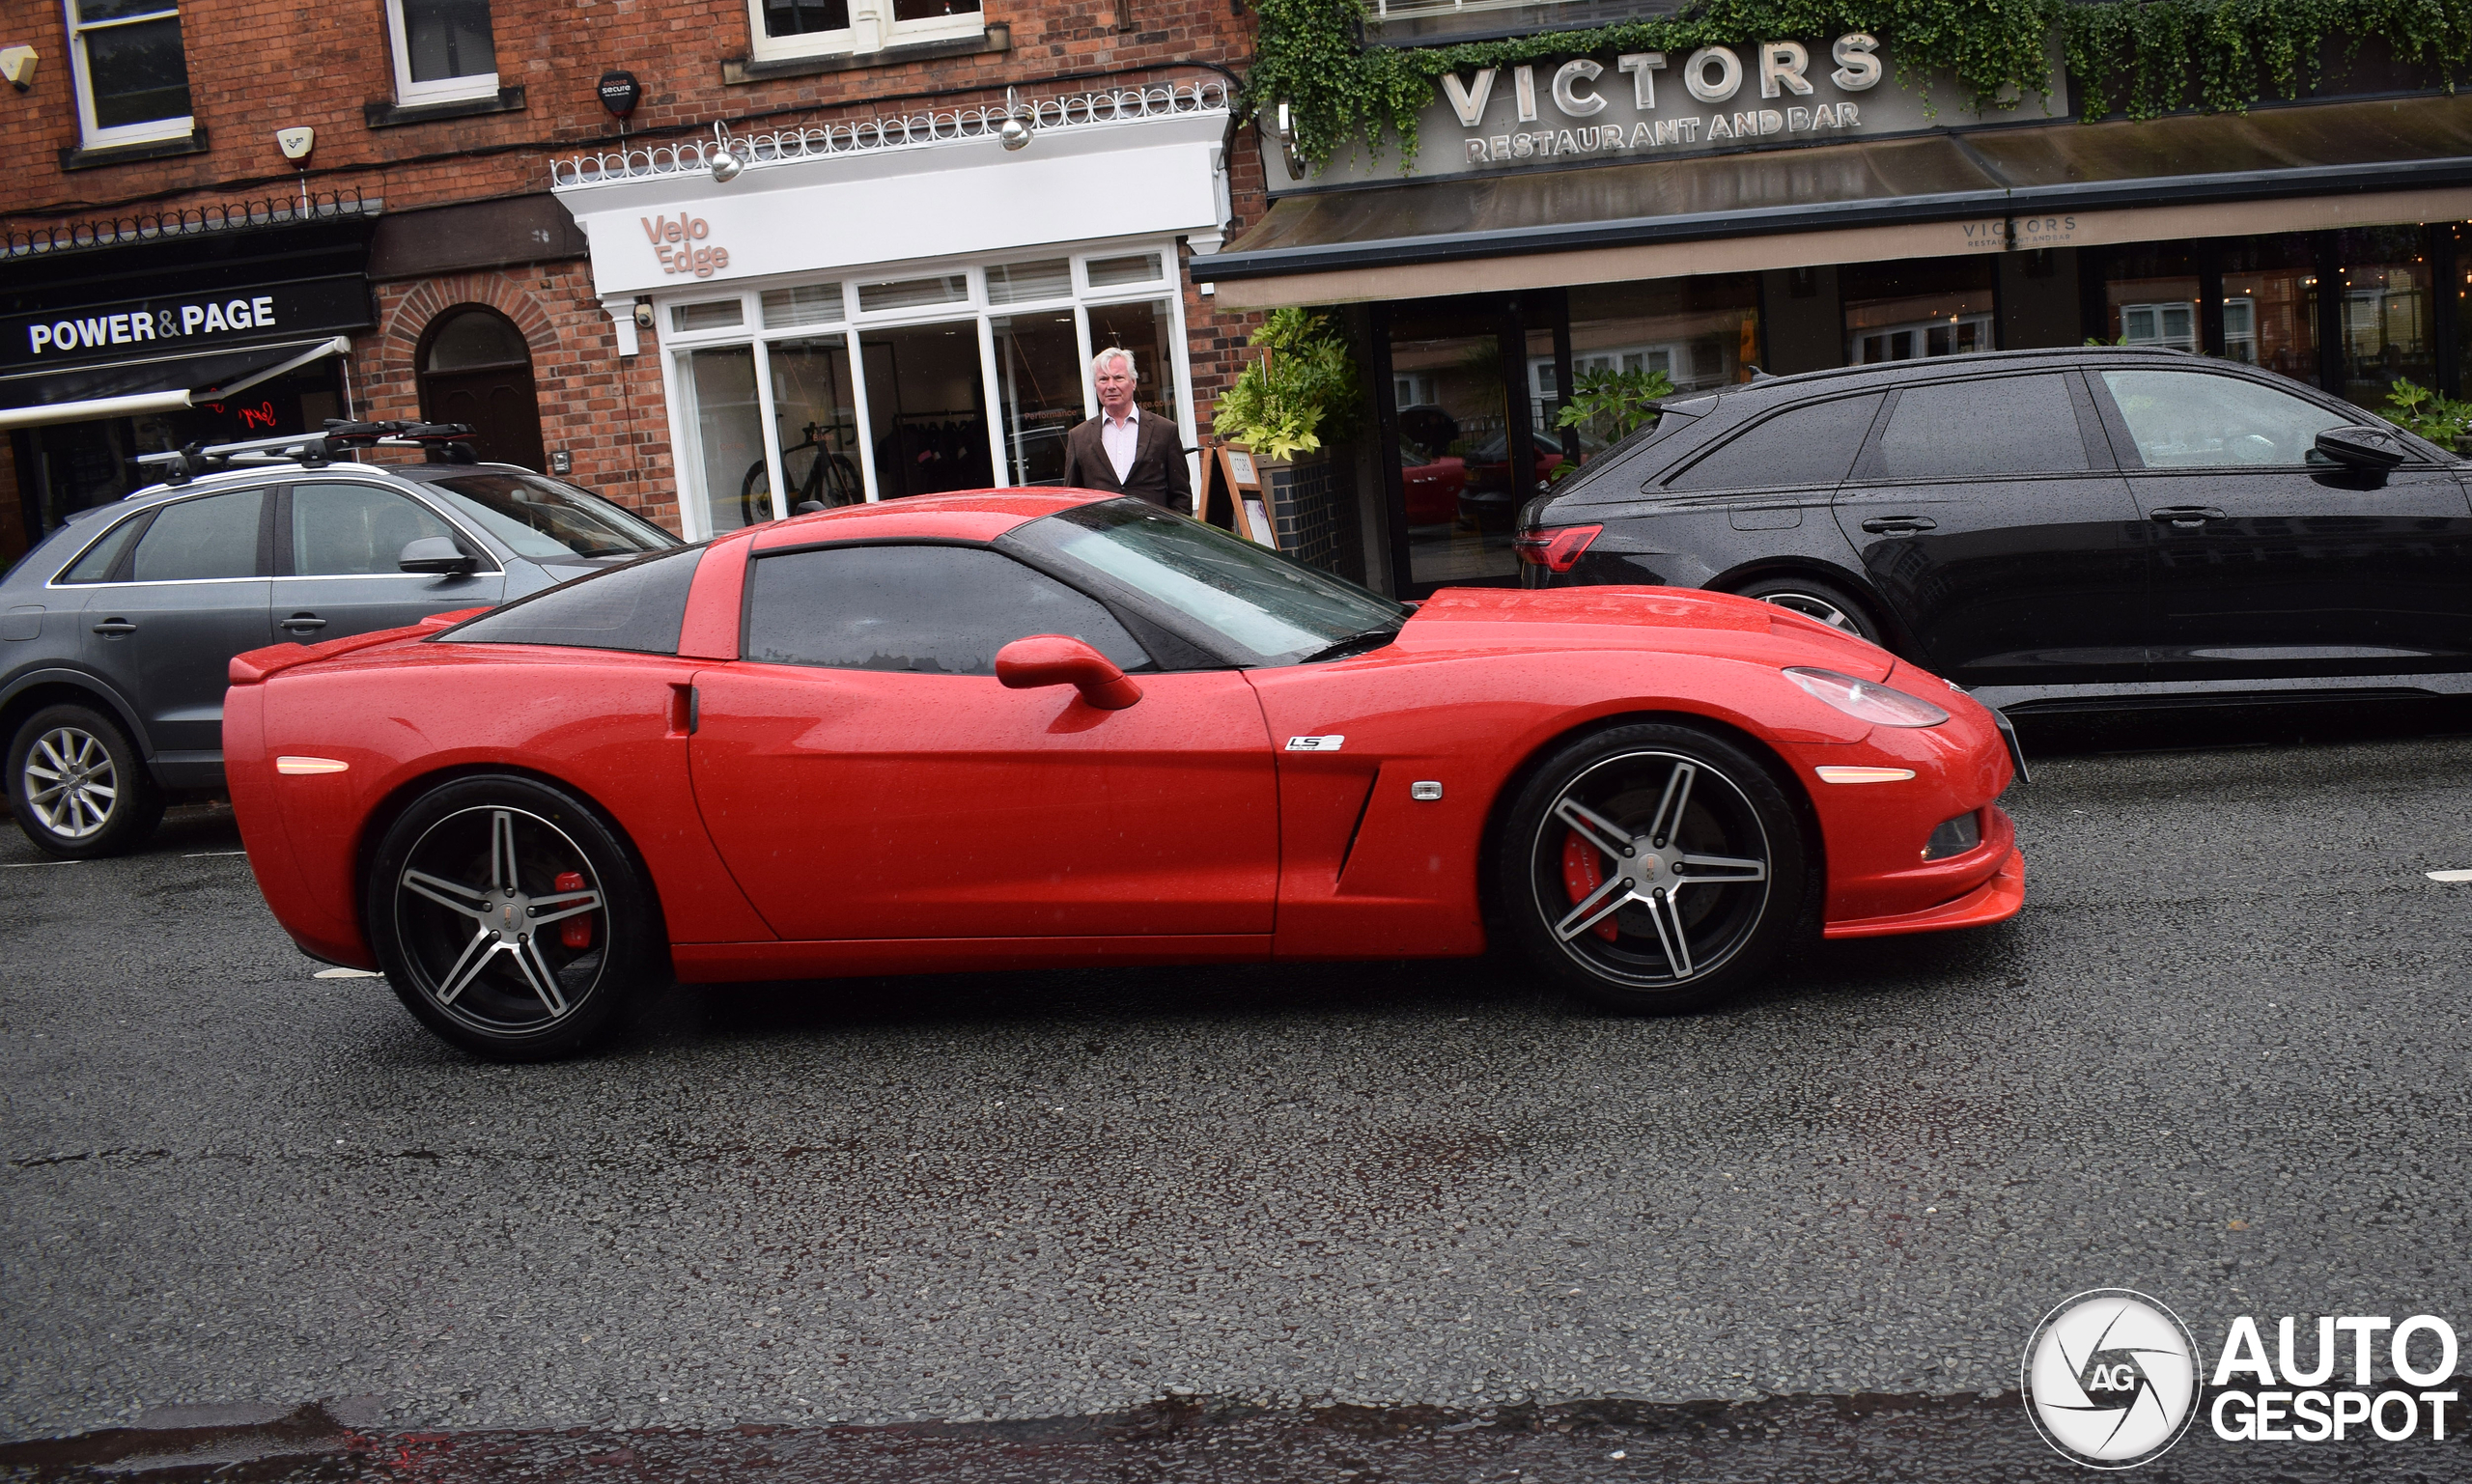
77, 786
755, 495
1732, 922
1825, 602
440, 893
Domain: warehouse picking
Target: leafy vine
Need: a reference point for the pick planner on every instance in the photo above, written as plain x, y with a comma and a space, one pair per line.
2142, 57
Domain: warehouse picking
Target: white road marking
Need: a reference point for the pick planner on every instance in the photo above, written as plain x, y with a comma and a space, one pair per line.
2450, 875
28, 865
202, 854
347, 973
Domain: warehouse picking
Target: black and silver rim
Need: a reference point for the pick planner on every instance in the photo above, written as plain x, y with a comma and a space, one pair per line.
482, 907
1812, 605
1651, 869
72, 783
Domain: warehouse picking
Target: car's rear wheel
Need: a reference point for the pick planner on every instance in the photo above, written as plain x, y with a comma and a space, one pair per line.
1653, 868
77, 786
1825, 602
511, 919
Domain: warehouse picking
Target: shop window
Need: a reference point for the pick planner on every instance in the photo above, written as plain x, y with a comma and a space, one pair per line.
815, 423
709, 315
927, 408
476, 369
2270, 304
1038, 388
131, 72
936, 611
1916, 310
443, 50
2386, 331
729, 434
790, 308
914, 293
1115, 272
1454, 451
1146, 330
1021, 282
807, 28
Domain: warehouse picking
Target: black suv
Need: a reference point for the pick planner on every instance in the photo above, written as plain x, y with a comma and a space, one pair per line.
116, 631
2049, 528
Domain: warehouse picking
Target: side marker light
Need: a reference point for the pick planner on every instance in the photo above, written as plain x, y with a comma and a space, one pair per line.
297, 766
1838, 775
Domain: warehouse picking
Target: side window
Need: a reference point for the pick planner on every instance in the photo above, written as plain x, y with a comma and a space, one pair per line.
638, 606
341, 530
443, 50
131, 72
2190, 420
936, 610
1958, 430
198, 540
100, 558
1813, 444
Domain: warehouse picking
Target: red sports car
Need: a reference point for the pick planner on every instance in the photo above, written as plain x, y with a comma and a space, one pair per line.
1012, 730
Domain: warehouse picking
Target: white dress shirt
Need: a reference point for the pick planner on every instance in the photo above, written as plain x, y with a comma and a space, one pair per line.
1119, 439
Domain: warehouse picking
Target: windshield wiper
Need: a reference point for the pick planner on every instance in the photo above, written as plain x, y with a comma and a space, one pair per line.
1355, 643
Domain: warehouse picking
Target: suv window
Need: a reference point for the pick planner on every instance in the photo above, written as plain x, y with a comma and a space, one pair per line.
104, 556
637, 606
936, 610
1960, 430
1813, 444
341, 530
201, 540
2188, 419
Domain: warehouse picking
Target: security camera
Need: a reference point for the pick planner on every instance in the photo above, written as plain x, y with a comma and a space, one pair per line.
643, 316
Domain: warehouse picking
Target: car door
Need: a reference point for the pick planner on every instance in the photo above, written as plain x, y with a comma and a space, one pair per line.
2269, 563
1989, 514
190, 594
337, 545
867, 776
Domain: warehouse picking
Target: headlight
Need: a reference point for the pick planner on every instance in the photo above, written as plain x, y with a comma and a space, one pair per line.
1865, 701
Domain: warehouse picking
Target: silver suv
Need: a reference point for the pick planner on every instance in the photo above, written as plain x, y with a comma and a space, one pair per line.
117, 629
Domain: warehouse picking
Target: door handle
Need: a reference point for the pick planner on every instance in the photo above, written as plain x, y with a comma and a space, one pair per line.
303, 622
2187, 518
1899, 526
115, 626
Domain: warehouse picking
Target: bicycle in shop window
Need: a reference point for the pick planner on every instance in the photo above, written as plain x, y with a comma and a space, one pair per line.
814, 471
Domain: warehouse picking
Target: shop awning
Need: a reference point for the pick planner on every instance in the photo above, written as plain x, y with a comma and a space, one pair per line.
163, 384
2061, 183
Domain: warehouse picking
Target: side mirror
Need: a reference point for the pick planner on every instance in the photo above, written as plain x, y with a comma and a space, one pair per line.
2362, 448
1055, 660
436, 555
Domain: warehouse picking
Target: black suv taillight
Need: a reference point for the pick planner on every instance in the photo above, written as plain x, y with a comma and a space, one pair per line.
1954, 837
1557, 550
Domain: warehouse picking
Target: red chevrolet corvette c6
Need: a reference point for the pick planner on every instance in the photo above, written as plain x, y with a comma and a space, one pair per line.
1015, 729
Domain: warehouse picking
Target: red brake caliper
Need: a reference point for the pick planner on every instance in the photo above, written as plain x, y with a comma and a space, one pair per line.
1581, 877
576, 931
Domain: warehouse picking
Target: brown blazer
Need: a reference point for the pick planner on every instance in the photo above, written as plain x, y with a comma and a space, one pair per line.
1157, 474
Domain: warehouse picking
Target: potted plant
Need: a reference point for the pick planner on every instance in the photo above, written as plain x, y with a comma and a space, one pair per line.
1283, 408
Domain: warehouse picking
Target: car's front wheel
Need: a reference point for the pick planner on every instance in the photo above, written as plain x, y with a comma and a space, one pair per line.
511, 919
77, 786
1653, 868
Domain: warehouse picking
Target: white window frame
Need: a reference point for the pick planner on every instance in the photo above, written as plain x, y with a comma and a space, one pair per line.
445, 90
872, 28
94, 136
678, 383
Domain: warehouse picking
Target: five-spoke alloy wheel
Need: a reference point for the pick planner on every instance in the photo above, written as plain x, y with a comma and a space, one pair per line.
510, 917
1652, 867
77, 786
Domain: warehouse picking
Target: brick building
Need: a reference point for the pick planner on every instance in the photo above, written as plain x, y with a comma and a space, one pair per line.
171, 272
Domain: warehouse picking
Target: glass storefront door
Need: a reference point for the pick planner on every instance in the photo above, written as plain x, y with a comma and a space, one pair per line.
926, 408
815, 423
1463, 440
1038, 390
729, 436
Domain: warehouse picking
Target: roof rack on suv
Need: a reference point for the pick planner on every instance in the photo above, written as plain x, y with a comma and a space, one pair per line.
443, 442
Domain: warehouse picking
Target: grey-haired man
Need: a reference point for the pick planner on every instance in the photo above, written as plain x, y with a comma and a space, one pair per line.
1122, 450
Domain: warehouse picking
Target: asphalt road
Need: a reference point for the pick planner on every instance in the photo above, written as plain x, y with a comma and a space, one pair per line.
2221, 1058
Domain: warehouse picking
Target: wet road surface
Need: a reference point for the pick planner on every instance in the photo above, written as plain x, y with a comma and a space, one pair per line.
1344, 1209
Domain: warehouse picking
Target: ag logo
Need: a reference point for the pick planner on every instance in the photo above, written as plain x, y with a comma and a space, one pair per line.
2110, 1379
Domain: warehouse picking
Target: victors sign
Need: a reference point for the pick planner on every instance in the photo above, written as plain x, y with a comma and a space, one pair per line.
1653, 104
171, 323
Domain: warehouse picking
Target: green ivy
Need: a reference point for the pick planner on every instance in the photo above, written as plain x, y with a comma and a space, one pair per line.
2142, 57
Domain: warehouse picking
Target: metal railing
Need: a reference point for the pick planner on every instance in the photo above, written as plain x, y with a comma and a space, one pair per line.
1079, 110
188, 221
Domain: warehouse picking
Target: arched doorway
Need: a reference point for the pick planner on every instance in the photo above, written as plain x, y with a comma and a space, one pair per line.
475, 368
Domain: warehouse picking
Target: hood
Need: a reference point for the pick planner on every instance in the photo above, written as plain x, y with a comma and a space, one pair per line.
1655, 618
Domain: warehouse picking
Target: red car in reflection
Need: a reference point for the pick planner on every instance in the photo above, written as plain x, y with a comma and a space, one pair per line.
1006, 730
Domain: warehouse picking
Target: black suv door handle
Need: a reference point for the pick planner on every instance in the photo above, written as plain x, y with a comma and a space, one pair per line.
115, 626
303, 622
1899, 526
2187, 518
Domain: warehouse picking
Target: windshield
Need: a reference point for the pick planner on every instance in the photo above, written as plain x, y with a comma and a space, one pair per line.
1270, 610
542, 519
